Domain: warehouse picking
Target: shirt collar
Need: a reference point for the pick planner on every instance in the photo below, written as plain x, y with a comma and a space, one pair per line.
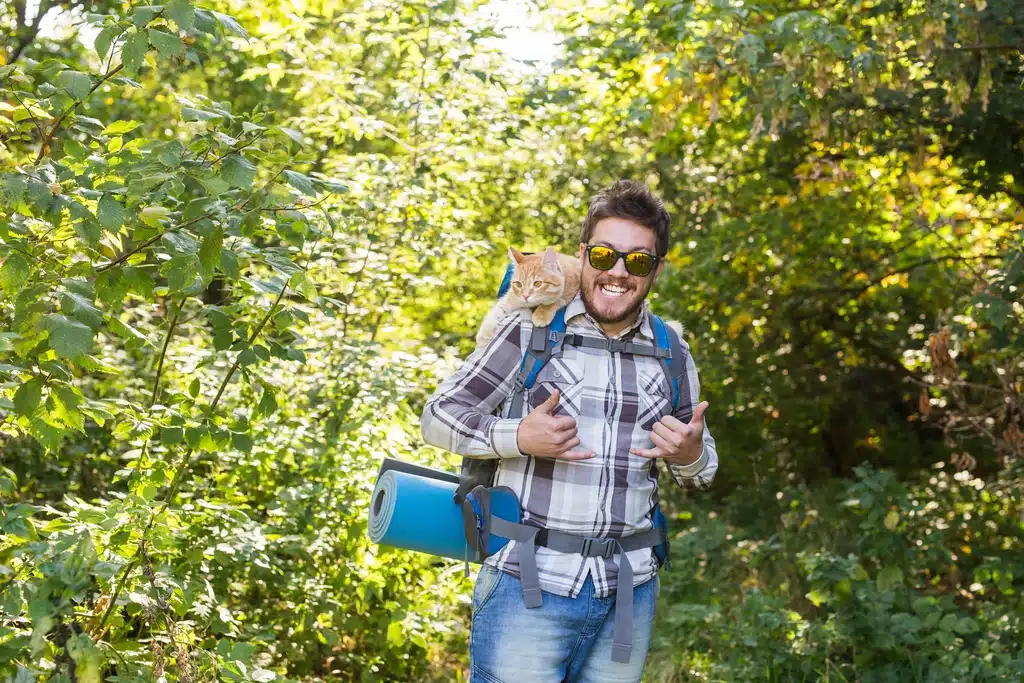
642, 323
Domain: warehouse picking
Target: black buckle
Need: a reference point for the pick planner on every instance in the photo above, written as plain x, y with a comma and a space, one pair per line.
598, 547
617, 345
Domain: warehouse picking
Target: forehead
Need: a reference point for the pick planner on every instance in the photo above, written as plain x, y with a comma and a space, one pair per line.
623, 234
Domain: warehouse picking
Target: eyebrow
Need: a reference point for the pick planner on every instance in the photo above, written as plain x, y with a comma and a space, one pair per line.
643, 248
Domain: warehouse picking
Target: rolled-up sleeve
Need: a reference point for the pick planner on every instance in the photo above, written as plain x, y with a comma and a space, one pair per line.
700, 473
459, 416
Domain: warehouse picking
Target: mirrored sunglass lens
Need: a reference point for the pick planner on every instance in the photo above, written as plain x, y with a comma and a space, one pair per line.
602, 258
639, 263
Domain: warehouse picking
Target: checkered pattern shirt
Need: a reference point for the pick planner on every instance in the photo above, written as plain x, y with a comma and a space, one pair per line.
615, 400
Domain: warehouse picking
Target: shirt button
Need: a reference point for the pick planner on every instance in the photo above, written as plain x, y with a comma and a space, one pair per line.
557, 373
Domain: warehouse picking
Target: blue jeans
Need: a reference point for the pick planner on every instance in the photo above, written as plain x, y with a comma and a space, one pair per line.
565, 640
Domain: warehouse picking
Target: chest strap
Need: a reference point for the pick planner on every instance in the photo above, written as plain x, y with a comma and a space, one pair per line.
615, 345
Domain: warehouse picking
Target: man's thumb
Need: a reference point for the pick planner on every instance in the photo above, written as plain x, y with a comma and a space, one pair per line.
698, 412
550, 404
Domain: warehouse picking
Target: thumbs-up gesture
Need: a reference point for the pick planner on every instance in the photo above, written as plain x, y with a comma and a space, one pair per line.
546, 435
675, 441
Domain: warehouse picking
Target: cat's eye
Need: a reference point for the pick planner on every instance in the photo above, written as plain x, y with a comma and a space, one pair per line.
537, 283
517, 285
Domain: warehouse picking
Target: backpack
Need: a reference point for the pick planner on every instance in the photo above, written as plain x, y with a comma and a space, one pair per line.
548, 342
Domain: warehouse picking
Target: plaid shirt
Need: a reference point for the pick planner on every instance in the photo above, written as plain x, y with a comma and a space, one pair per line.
615, 400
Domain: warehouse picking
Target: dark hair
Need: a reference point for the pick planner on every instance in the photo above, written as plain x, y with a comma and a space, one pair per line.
633, 201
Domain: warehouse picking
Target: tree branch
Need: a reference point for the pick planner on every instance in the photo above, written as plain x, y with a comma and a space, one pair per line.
163, 352
32, 31
43, 147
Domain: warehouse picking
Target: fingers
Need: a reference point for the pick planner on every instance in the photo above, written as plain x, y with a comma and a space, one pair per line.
673, 422
575, 455
668, 435
562, 424
698, 412
661, 448
548, 406
664, 445
571, 443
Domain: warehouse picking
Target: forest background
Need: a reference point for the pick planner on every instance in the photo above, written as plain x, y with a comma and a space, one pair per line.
240, 243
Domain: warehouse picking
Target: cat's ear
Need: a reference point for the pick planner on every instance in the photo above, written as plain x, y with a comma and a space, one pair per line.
550, 261
515, 255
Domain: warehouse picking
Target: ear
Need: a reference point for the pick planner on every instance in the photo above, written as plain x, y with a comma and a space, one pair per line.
550, 261
515, 255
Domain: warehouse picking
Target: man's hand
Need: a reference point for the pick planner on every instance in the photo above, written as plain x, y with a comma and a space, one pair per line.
548, 436
675, 441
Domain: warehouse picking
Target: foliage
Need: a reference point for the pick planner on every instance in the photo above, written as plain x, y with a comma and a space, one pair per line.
869, 580
848, 241
240, 242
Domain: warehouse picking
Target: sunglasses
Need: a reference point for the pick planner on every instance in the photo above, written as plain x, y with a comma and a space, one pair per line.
638, 263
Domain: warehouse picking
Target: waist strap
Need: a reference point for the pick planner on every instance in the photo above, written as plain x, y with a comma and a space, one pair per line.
530, 537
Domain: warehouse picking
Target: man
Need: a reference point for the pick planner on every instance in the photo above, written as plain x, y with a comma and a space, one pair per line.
582, 460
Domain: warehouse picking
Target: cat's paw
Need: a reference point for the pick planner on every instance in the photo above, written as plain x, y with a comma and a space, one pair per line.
543, 315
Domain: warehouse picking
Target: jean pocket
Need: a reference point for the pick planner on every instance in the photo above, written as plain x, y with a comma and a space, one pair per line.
486, 583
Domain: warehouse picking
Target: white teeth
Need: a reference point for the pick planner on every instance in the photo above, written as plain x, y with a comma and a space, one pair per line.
612, 290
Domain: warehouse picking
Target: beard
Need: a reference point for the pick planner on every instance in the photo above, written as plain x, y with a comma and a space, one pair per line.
609, 310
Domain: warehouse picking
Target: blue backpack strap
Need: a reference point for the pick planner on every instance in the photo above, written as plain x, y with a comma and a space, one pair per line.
506, 282
675, 369
674, 364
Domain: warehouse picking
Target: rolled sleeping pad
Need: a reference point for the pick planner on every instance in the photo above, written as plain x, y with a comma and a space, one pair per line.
418, 512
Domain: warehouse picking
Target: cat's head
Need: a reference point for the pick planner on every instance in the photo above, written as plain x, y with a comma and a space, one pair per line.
537, 279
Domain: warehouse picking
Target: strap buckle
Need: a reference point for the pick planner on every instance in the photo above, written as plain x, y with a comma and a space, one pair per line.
617, 345
599, 547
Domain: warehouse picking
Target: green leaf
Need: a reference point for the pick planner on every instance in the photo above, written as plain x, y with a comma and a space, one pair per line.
166, 44
181, 272
171, 435
121, 127
76, 83
230, 23
890, 578
191, 114
111, 213
238, 171
966, 625
126, 331
50, 436
181, 242
14, 273
69, 338
103, 40
143, 14
181, 13
28, 396
134, 52
229, 264
81, 309
153, 215
209, 251
268, 403
193, 387
242, 441
295, 135
66, 401
300, 183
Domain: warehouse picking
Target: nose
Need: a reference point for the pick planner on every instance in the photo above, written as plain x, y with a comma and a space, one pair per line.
619, 269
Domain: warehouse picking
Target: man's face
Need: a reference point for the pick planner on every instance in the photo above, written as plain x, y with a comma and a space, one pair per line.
613, 296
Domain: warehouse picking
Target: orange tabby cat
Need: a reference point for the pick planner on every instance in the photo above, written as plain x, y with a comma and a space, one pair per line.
544, 282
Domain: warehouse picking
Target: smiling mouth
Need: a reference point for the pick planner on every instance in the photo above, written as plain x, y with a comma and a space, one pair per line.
612, 290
